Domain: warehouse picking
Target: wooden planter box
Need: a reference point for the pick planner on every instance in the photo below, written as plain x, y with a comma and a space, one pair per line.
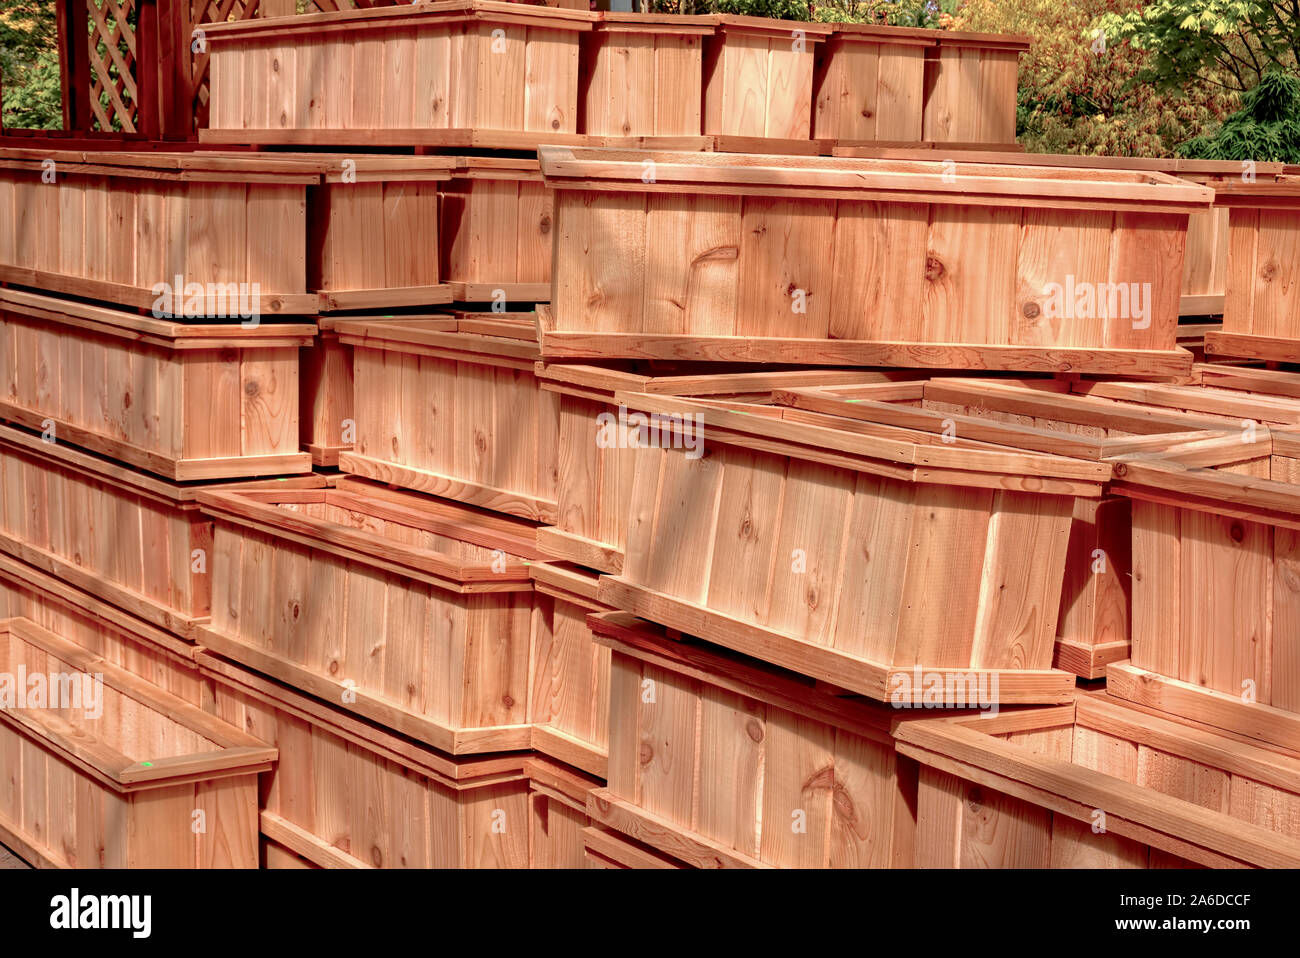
124, 536
1215, 595
738, 534
453, 414
721, 762
374, 231
870, 83
1261, 315
325, 405
758, 77
570, 694
970, 87
410, 611
1205, 259
348, 793
111, 226
183, 401
116, 782
1028, 789
557, 808
1107, 421
497, 228
595, 479
642, 75
476, 73
761, 259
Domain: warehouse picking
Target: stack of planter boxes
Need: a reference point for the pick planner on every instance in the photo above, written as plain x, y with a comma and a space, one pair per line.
540, 450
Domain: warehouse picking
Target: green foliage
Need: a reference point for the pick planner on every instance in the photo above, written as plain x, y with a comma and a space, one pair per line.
1078, 95
902, 13
29, 65
1228, 42
1267, 127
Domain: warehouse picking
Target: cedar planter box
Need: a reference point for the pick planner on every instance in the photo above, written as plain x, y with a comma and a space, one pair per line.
327, 408
1216, 535
348, 793
1107, 421
410, 611
475, 73
828, 261
159, 656
570, 694
557, 809
124, 536
642, 75
595, 480
738, 534
715, 759
453, 414
373, 224
113, 226
183, 401
870, 83
115, 782
1027, 789
758, 77
1261, 316
1205, 259
497, 230
970, 87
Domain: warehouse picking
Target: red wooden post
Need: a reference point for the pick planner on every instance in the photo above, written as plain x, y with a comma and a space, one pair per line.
74, 64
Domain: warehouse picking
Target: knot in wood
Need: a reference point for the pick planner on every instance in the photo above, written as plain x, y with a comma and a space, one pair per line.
842, 805
251, 389
646, 753
934, 268
867, 113
376, 856
126, 399
1031, 310
1268, 272
334, 667
1236, 532
754, 729
508, 701
544, 226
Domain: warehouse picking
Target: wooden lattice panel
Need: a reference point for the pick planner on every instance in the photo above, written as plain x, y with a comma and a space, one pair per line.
111, 49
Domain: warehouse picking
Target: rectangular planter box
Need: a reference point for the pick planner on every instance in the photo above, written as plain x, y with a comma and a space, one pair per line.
595, 479
1216, 599
413, 612
1205, 259
778, 534
497, 231
557, 808
348, 793
714, 761
124, 536
373, 226
453, 414
970, 87
870, 83
183, 401
642, 75
570, 693
476, 73
828, 261
1029, 790
116, 782
112, 226
1108, 421
758, 77
1261, 314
